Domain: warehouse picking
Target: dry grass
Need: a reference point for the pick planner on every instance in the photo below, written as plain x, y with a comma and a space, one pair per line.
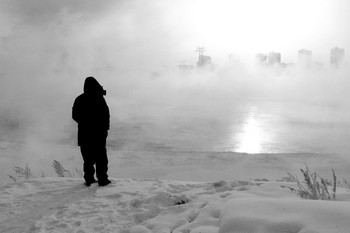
344, 184
60, 170
26, 173
315, 187
290, 178
23, 172
14, 179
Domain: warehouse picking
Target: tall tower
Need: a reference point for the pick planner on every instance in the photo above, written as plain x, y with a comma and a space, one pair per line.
200, 51
202, 59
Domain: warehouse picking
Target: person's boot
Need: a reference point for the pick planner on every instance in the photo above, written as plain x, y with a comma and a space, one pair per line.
89, 182
104, 182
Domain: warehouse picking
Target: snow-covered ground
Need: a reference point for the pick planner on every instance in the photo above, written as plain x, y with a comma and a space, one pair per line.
166, 171
141, 206
179, 192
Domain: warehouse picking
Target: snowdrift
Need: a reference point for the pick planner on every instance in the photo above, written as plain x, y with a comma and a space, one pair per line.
157, 206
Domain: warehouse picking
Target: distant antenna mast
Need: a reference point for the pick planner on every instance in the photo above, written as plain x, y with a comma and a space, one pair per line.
200, 51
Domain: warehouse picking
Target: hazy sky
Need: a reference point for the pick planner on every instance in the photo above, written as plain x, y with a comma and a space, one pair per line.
158, 31
48, 47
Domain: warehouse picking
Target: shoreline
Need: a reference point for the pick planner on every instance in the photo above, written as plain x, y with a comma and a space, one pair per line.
189, 165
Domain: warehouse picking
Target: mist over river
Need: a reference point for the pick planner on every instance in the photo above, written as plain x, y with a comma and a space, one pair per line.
142, 146
259, 127
174, 116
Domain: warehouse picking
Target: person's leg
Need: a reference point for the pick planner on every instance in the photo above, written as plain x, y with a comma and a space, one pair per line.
89, 162
102, 166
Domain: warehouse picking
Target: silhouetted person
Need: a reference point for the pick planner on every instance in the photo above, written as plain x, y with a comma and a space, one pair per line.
91, 112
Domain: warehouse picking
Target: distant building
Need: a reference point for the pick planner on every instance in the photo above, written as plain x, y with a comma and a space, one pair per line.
274, 58
261, 59
337, 56
304, 57
203, 60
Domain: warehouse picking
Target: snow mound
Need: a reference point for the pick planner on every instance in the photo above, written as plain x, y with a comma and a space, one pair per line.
284, 216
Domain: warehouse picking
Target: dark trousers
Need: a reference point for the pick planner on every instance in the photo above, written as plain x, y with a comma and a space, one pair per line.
95, 155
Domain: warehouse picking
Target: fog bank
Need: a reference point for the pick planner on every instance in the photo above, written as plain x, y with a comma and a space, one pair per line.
133, 49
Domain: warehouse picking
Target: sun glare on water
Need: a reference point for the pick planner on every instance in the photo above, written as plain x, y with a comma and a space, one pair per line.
252, 136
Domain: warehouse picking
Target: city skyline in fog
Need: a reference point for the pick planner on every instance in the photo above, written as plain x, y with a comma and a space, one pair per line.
164, 32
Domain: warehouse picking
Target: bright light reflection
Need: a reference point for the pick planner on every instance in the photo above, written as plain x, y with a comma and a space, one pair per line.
251, 138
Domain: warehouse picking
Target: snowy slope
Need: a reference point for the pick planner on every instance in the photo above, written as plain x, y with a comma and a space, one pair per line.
138, 206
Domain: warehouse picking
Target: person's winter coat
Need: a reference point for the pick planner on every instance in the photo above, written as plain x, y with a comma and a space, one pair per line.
91, 112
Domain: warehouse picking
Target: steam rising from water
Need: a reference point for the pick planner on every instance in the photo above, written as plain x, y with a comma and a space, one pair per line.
133, 49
